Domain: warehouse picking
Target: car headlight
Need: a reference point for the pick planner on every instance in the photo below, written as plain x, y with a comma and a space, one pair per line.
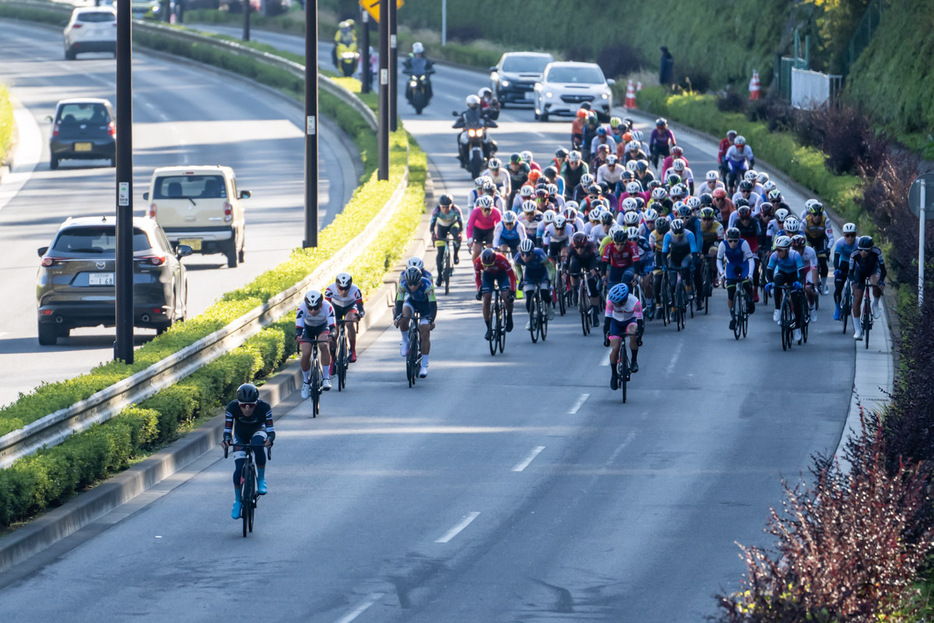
605, 95
548, 94
504, 83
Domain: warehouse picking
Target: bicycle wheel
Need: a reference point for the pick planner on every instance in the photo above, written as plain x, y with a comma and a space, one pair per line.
533, 319
738, 312
560, 293
583, 305
412, 362
542, 319
448, 269
246, 496
315, 387
622, 368
788, 321
708, 286
494, 323
340, 366
665, 300
745, 315
867, 319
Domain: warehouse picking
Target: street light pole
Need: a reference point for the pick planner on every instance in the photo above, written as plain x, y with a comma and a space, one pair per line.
311, 124
382, 132
393, 66
123, 272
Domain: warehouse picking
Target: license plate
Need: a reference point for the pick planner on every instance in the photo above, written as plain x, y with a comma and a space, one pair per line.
530, 95
82, 146
194, 243
101, 279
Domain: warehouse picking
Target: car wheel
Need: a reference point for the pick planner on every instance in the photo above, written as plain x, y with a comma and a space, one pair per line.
53, 163
543, 117
70, 54
48, 334
232, 256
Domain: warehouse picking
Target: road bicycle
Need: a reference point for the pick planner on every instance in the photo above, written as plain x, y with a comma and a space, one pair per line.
787, 318
342, 358
664, 298
538, 315
315, 377
866, 318
681, 302
706, 282
583, 303
846, 303
740, 309
561, 288
497, 323
763, 255
447, 267
249, 495
413, 356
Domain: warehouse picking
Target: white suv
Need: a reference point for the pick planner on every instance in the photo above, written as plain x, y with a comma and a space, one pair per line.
91, 29
567, 85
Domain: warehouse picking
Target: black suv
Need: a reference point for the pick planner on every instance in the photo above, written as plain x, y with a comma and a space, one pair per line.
514, 77
83, 129
75, 284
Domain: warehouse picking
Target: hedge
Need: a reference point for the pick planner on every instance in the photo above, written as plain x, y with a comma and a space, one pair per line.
6, 123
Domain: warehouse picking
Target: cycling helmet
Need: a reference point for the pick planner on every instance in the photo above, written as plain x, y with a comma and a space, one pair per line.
479, 182
418, 48
586, 180
313, 299
707, 213
678, 165
742, 201
797, 240
247, 393
662, 225
633, 188
574, 156
719, 193
509, 217
706, 199
561, 153
579, 239
673, 180
526, 156
693, 202
526, 191
619, 293
560, 221
487, 257
603, 147
775, 195
632, 166
792, 225
606, 218
651, 215
485, 92
637, 135
732, 233
659, 193
769, 186
745, 186
614, 122
571, 204
495, 164
632, 233
816, 207
620, 236
629, 205
611, 159
445, 200
489, 186
676, 151
678, 190
582, 113
781, 214
515, 158
548, 217
570, 213
765, 208
712, 176
541, 193
415, 262
526, 246
473, 101
864, 243
485, 202
731, 134
528, 207
744, 212
552, 189
633, 146
344, 280
683, 210
594, 216
739, 140
677, 226
601, 131
550, 172
631, 219
661, 121
642, 165
751, 176
849, 228
594, 189
783, 242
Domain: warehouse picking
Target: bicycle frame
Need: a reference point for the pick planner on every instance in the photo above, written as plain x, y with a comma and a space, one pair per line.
248, 483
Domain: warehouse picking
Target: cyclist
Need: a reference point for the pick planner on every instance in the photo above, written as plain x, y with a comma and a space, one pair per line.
676, 152
535, 269
711, 232
866, 263
680, 248
347, 301
645, 268
746, 193
248, 421
602, 138
739, 159
723, 205
809, 258
493, 270
711, 183
508, 234
679, 167
529, 219
593, 220
725, 144
842, 251
475, 192
583, 259
577, 128
660, 141
623, 317
556, 237
561, 156
735, 264
597, 234
620, 257
573, 216
447, 219
416, 293
518, 174
481, 224
499, 177
583, 188
819, 234
526, 193
573, 170
656, 241
787, 268
417, 263
313, 320
550, 175
611, 172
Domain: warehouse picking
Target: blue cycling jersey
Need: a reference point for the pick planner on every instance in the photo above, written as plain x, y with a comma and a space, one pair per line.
679, 247
791, 264
536, 265
842, 252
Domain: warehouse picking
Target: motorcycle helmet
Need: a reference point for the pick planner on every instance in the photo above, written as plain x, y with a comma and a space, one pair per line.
485, 92
473, 101
418, 48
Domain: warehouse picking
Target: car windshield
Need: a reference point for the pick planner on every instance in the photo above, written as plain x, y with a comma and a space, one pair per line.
578, 75
100, 240
92, 114
190, 187
97, 16
525, 64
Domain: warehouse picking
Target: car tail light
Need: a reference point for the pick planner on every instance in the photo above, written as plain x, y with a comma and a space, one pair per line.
152, 210
228, 212
75, 26
155, 260
55, 129
49, 261
111, 129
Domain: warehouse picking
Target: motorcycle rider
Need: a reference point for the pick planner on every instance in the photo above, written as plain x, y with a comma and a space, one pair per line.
346, 38
417, 64
473, 117
488, 103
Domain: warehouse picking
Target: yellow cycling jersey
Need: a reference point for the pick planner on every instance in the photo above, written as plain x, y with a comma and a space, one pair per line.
606, 240
712, 232
815, 227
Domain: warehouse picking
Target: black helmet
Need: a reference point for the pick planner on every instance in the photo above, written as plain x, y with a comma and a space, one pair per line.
864, 243
515, 158
606, 218
550, 172
620, 236
247, 393
706, 199
745, 185
561, 152
445, 200
732, 233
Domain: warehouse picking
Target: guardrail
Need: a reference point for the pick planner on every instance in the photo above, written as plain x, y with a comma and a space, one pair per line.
105, 404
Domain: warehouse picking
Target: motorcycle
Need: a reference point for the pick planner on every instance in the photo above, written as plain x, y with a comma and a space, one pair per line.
418, 92
347, 57
475, 148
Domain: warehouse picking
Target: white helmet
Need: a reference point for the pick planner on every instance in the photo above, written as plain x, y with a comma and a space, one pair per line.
751, 176
693, 202
783, 242
526, 191
418, 48
528, 207
632, 233
509, 216
658, 193
651, 215
484, 202
526, 156
611, 159
630, 205
313, 299
570, 213
548, 216
594, 215
637, 135
633, 188
739, 140
570, 203
712, 175
849, 228
678, 190
678, 164
633, 146
344, 280
415, 262
586, 179
631, 219
792, 225
763, 177
632, 165
560, 221
781, 214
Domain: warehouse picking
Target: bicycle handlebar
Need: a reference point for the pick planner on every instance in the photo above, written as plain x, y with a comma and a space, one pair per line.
249, 445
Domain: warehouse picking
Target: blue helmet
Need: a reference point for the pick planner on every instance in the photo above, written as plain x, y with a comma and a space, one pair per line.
619, 293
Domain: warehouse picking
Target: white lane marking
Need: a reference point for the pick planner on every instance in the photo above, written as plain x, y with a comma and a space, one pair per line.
580, 403
353, 614
622, 446
674, 359
606, 359
535, 452
453, 532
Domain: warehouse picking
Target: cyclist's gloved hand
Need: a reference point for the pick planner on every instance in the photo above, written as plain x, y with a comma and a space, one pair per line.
769, 286
479, 295
271, 436
228, 438
796, 286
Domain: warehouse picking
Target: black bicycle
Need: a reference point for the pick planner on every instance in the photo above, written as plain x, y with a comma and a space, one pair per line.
560, 289
413, 357
342, 357
866, 318
740, 310
664, 298
538, 315
249, 495
315, 378
497, 323
681, 301
787, 318
846, 303
583, 303
447, 266
622, 367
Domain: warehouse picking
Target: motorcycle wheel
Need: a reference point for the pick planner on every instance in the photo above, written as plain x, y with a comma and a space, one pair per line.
476, 165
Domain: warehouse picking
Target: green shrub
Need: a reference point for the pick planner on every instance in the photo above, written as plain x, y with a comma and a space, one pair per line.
6, 123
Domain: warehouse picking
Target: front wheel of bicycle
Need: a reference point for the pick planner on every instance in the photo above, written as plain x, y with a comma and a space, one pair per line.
340, 366
315, 388
622, 369
737, 314
246, 498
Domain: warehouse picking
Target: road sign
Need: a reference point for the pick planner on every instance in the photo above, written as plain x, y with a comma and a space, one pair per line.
372, 7
914, 196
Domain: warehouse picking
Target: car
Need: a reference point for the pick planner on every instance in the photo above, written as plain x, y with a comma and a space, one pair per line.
75, 282
566, 85
146, 9
514, 76
83, 129
200, 206
90, 29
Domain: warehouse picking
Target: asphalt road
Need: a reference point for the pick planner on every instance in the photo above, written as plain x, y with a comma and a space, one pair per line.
514, 488
183, 114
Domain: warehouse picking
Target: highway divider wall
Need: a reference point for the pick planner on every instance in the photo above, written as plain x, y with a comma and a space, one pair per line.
366, 238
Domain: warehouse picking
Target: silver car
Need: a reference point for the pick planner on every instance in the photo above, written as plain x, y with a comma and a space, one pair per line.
567, 85
91, 29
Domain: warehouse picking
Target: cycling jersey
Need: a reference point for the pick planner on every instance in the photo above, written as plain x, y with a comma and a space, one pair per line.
679, 248
482, 221
323, 318
737, 156
453, 217
863, 267
707, 188
421, 299
504, 235
500, 267
242, 427
610, 175
623, 257
817, 230
551, 235
748, 231
738, 256
842, 253
534, 268
710, 233
791, 264
530, 225
343, 302
628, 310
598, 233
583, 257
809, 259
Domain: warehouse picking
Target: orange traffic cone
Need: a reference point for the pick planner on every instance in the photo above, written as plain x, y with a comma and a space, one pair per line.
630, 96
755, 91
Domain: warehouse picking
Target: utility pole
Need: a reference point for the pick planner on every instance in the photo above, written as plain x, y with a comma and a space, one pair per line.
311, 124
123, 273
393, 66
382, 134
366, 78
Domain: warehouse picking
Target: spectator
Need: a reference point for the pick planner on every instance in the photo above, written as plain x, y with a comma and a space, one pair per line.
666, 71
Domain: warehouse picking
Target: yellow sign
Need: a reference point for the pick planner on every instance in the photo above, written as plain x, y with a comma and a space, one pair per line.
372, 7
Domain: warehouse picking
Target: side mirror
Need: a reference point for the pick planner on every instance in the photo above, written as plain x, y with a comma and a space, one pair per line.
182, 250
146, 196
49, 118
245, 194
493, 69
42, 251
611, 82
